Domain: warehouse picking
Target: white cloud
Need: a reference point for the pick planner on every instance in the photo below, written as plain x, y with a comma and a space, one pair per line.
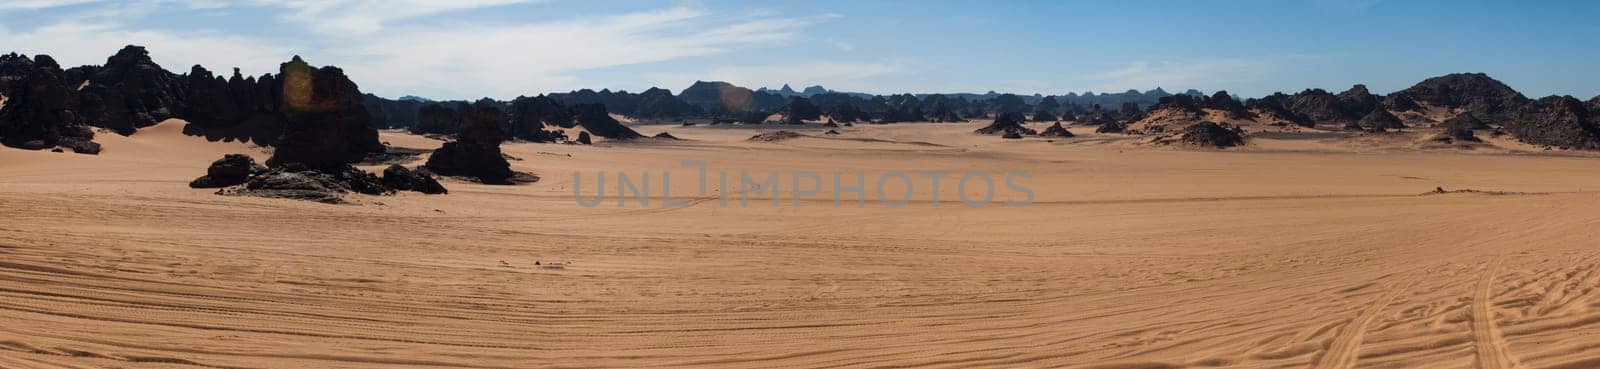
366, 17
437, 58
507, 60
73, 44
40, 4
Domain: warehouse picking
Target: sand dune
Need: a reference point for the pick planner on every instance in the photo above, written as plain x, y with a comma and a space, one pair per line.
1288, 253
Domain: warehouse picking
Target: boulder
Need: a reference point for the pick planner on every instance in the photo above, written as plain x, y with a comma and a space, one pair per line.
665, 135
1011, 135
583, 138
230, 170
401, 179
298, 182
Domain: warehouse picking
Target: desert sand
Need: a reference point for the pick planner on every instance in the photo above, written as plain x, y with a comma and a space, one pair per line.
1287, 253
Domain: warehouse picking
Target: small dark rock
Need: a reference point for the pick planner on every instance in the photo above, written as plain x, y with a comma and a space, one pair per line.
402, 179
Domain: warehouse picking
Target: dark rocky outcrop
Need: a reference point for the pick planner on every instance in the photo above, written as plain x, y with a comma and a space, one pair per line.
420, 180
1320, 107
530, 115
37, 113
1223, 101
1380, 120
1211, 134
298, 182
1056, 130
775, 136
1112, 127
1045, 116
666, 136
1456, 134
439, 118
1357, 101
1560, 121
799, 110
325, 124
846, 113
584, 139
1007, 123
230, 170
129, 92
475, 153
1012, 135
1465, 121
1400, 102
1277, 107
1476, 93
594, 119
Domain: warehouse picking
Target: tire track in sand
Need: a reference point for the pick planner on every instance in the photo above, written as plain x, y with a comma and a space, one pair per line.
1342, 353
1493, 353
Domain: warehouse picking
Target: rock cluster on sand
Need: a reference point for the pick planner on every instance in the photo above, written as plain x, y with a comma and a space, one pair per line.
594, 119
1379, 120
1056, 130
420, 180
799, 110
475, 152
129, 92
230, 170
36, 114
775, 136
1466, 121
1559, 121
1211, 134
325, 129
1009, 124
666, 136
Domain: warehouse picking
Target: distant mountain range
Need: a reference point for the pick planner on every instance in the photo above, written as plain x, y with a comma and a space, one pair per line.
48, 106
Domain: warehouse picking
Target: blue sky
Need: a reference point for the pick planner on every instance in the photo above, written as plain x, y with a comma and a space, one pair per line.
504, 48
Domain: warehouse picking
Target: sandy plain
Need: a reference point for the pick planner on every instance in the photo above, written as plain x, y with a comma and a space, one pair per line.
1297, 251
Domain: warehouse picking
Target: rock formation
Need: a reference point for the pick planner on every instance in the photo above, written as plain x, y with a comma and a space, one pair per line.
36, 114
1221, 100
1056, 130
439, 118
402, 179
1379, 120
475, 152
1357, 101
325, 124
129, 92
230, 170
1211, 134
594, 119
530, 115
1476, 93
1465, 121
799, 110
1560, 121
1007, 124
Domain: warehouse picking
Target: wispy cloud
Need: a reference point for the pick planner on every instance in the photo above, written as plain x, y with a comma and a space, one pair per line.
443, 58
